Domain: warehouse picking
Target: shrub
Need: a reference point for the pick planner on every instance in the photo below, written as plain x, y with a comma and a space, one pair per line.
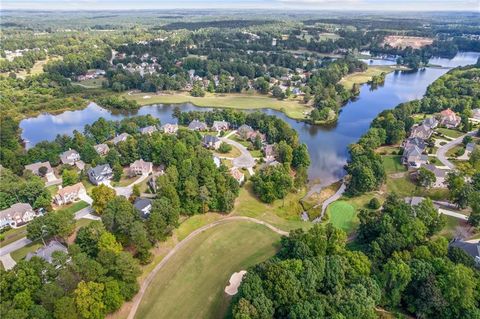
224, 148
374, 203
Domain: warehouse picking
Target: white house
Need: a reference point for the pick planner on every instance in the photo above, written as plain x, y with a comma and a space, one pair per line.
69, 194
140, 167
69, 157
35, 168
16, 215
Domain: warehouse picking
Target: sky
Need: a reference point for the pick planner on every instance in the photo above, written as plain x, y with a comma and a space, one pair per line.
381, 5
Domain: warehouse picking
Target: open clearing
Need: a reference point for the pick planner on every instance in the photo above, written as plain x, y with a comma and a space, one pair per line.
342, 215
293, 108
191, 284
397, 41
363, 77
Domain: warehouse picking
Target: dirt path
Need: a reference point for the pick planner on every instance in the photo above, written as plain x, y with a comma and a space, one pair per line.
148, 280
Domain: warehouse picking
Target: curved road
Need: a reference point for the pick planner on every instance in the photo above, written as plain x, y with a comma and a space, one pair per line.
245, 160
143, 288
330, 200
442, 150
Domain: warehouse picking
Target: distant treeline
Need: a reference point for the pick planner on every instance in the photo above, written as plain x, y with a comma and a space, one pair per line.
232, 24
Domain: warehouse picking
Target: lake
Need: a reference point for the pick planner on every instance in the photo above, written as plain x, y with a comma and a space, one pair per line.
327, 145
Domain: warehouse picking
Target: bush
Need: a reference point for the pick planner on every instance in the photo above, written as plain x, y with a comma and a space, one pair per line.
224, 148
374, 203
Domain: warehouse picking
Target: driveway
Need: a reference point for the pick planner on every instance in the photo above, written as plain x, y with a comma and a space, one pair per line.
7, 261
441, 152
128, 190
245, 160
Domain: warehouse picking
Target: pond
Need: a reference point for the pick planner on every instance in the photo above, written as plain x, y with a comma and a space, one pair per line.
327, 145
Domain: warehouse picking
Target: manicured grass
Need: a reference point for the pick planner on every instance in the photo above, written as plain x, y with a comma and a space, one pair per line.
256, 153
363, 77
291, 107
13, 234
234, 152
401, 186
191, 284
342, 215
19, 254
453, 151
194, 222
125, 180
75, 207
282, 214
449, 132
393, 164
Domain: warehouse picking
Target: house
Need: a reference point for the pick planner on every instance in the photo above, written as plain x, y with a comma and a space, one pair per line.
47, 172
245, 131
169, 128
421, 131
472, 249
415, 141
413, 157
430, 122
449, 119
148, 130
80, 165
476, 114
69, 157
102, 149
210, 141
253, 137
217, 161
16, 215
269, 152
47, 252
143, 206
237, 174
414, 201
196, 125
470, 147
120, 138
220, 126
440, 175
69, 194
100, 174
140, 167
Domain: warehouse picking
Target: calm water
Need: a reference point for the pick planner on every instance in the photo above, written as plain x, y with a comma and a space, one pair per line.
327, 146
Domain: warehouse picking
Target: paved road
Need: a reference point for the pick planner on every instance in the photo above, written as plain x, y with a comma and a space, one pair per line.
330, 200
7, 261
143, 288
245, 160
452, 214
128, 190
441, 152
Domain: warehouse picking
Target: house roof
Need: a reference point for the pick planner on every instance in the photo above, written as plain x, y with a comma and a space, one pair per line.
46, 252
414, 201
210, 139
101, 148
99, 169
245, 128
148, 129
71, 189
470, 147
236, 173
439, 172
141, 203
120, 138
430, 122
447, 112
417, 141
196, 124
141, 164
412, 150
168, 125
473, 249
65, 155
220, 124
36, 166
15, 211
421, 131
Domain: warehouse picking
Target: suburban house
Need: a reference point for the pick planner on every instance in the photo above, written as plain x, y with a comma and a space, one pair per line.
196, 125
210, 141
169, 128
430, 122
245, 131
148, 130
421, 131
253, 136
69, 157
449, 119
143, 206
269, 152
69, 194
101, 149
46, 252
415, 141
238, 175
472, 249
80, 165
440, 175
140, 167
100, 174
35, 168
413, 157
414, 201
120, 138
16, 215
220, 126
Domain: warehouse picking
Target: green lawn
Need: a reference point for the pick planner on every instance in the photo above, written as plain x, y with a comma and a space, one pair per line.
75, 207
342, 215
17, 255
13, 234
393, 164
292, 108
191, 284
364, 77
194, 222
449, 132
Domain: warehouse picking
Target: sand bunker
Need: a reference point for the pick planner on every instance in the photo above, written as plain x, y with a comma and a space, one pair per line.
235, 281
147, 97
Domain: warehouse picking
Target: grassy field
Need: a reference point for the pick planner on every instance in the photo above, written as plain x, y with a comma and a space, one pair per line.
75, 207
234, 152
36, 69
19, 254
342, 215
393, 164
284, 214
449, 132
364, 77
291, 107
191, 284
13, 234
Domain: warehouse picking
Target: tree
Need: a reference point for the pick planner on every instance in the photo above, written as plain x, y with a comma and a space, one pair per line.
425, 177
65, 308
197, 89
285, 153
224, 148
108, 242
301, 156
101, 196
118, 217
394, 279
69, 177
374, 203
277, 92
42, 171
89, 300
117, 171
459, 189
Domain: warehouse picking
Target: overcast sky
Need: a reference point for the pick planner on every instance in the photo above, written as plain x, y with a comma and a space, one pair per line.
405, 5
